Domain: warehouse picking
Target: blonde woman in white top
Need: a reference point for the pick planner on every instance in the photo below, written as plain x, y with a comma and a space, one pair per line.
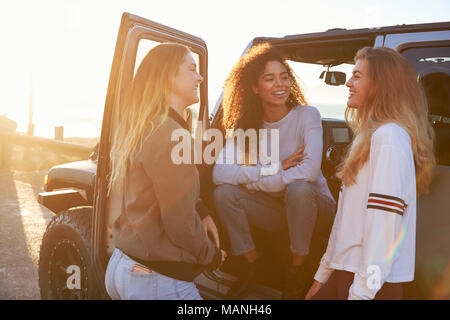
371, 250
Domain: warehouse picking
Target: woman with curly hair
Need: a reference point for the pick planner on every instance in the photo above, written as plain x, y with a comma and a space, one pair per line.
262, 93
371, 250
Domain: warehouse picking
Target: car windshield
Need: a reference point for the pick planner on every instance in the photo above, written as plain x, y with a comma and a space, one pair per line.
330, 100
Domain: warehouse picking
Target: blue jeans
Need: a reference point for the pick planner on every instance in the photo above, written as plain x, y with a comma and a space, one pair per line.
298, 209
124, 282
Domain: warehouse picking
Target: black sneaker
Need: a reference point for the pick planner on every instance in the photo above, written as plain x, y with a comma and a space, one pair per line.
244, 282
294, 288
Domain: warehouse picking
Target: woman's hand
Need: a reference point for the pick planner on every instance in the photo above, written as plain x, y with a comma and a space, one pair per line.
247, 189
278, 194
313, 290
210, 228
294, 159
224, 256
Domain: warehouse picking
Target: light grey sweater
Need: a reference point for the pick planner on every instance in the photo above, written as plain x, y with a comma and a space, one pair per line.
302, 125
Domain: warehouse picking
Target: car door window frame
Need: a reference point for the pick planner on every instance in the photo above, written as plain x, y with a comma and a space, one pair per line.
131, 31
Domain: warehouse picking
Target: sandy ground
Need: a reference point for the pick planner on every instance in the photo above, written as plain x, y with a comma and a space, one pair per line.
22, 226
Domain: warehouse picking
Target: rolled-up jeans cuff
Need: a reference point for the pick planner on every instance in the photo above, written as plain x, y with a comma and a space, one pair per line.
242, 250
300, 252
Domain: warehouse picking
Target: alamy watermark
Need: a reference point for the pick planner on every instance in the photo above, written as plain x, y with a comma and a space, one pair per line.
73, 282
259, 149
373, 282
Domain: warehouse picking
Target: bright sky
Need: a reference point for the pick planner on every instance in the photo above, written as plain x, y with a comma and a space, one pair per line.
65, 48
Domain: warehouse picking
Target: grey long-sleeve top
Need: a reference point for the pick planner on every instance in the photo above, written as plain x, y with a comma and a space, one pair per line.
159, 220
302, 125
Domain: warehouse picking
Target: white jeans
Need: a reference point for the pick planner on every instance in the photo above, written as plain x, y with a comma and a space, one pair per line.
124, 283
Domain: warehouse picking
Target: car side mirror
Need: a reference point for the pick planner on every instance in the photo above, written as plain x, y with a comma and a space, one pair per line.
333, 78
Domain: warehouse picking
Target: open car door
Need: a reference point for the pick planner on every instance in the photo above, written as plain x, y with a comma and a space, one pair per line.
136, 37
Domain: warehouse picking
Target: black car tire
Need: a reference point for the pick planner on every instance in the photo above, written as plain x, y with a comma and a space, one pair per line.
66, 243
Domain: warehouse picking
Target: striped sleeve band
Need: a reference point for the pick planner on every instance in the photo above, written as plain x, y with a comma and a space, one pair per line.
386, 203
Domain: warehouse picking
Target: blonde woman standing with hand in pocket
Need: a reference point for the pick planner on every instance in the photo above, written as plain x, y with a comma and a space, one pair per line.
371, 250
160, 239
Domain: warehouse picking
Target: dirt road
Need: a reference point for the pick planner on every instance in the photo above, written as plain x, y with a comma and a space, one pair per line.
22, 226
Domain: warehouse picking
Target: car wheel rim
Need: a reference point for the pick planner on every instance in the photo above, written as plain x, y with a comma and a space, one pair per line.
64, 255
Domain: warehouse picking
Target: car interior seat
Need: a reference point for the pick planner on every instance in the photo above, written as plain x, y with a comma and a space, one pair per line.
436, 83
433, 218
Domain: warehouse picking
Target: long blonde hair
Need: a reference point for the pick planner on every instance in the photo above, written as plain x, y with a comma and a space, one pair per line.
395, 96
145, 106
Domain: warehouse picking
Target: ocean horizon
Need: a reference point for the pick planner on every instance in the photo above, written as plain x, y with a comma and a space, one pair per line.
87, 122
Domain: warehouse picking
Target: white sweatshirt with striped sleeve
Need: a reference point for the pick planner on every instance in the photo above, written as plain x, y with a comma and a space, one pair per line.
374, 231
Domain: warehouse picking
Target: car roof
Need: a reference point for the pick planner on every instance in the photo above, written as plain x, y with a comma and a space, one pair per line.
373, 32
336, 46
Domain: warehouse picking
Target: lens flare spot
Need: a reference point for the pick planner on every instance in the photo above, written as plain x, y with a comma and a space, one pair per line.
398, 241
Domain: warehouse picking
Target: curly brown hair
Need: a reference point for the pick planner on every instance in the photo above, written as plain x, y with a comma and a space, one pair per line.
242, 108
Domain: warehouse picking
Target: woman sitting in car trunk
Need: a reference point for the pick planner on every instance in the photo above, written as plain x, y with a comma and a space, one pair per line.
262, 93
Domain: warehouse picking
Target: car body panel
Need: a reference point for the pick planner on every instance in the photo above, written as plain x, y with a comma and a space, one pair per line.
80, 173
395, 40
